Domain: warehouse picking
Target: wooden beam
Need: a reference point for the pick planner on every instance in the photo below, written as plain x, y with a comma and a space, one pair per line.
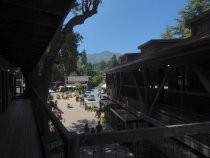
122, 77
204, 81
138, 91
147, 81
145, 117
200, 94
32, 7
116, 86
158, 92
152, 133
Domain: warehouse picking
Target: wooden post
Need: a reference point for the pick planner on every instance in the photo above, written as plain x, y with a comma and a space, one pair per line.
1, 89
147, 94
115, 85
122, 76
72, 146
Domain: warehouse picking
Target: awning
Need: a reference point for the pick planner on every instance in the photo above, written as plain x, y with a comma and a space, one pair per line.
103, 86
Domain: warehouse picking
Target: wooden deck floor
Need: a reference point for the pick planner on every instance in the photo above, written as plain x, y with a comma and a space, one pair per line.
18, 132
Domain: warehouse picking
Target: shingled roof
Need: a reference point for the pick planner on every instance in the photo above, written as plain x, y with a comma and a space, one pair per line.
74, 79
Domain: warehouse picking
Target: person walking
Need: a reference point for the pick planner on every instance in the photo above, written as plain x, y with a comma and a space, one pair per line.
86, 129
99, 127
92, 131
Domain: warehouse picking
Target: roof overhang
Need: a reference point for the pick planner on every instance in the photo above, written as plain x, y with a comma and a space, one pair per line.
27, 27
192, 48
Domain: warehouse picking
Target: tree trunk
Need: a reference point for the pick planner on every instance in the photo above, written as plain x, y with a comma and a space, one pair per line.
41, 76
42, 73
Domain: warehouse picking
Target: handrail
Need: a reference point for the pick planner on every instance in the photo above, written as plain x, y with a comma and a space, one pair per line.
74, 141
61, 129
149, 133
70, 138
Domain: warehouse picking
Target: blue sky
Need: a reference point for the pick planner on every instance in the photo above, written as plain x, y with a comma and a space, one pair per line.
122, 25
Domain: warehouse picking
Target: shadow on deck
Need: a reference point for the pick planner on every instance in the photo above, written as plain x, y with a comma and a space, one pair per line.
18, 132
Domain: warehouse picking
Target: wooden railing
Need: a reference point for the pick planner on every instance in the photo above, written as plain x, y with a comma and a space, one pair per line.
58, 141
55, 138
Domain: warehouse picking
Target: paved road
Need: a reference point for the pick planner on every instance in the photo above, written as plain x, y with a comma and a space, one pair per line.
96, 102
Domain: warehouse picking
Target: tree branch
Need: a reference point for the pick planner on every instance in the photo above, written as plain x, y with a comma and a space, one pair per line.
80, 19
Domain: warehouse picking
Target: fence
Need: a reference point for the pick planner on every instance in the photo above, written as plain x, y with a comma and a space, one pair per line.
149, 142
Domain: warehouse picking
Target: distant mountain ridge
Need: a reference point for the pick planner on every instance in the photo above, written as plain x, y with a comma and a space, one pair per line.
97, 57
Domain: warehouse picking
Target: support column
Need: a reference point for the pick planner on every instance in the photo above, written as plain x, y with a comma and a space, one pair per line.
147, 91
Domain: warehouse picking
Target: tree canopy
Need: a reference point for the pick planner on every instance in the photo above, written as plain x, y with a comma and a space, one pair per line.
68, 54
63, 46
192, 9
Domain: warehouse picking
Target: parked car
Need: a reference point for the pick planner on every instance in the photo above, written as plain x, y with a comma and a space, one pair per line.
91, 97
87, 93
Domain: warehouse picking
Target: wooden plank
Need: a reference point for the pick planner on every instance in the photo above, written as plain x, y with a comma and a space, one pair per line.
116, 114
152, 133
204, 81
158, 92
200, 94
18, 133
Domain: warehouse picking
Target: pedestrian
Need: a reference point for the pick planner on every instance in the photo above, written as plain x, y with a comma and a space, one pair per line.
86, 128
92, 131
99, 113
99, 127
56, 103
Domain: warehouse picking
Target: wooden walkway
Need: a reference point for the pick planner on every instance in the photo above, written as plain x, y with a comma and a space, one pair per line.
18, 132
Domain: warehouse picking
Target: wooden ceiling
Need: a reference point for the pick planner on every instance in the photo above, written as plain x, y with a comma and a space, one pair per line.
26, 28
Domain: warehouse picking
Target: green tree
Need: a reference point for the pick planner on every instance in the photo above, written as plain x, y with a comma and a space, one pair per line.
58, 71
192, 9
83, 58
78, 87
67, 57
82, 10
168, 34
112, 62
102, 64
81, 70
90, 70
97, 78
68, 54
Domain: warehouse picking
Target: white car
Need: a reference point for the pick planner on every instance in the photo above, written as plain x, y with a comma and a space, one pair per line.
87, 93
91, 97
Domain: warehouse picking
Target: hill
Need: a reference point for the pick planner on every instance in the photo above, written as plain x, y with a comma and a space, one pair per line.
97, 57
